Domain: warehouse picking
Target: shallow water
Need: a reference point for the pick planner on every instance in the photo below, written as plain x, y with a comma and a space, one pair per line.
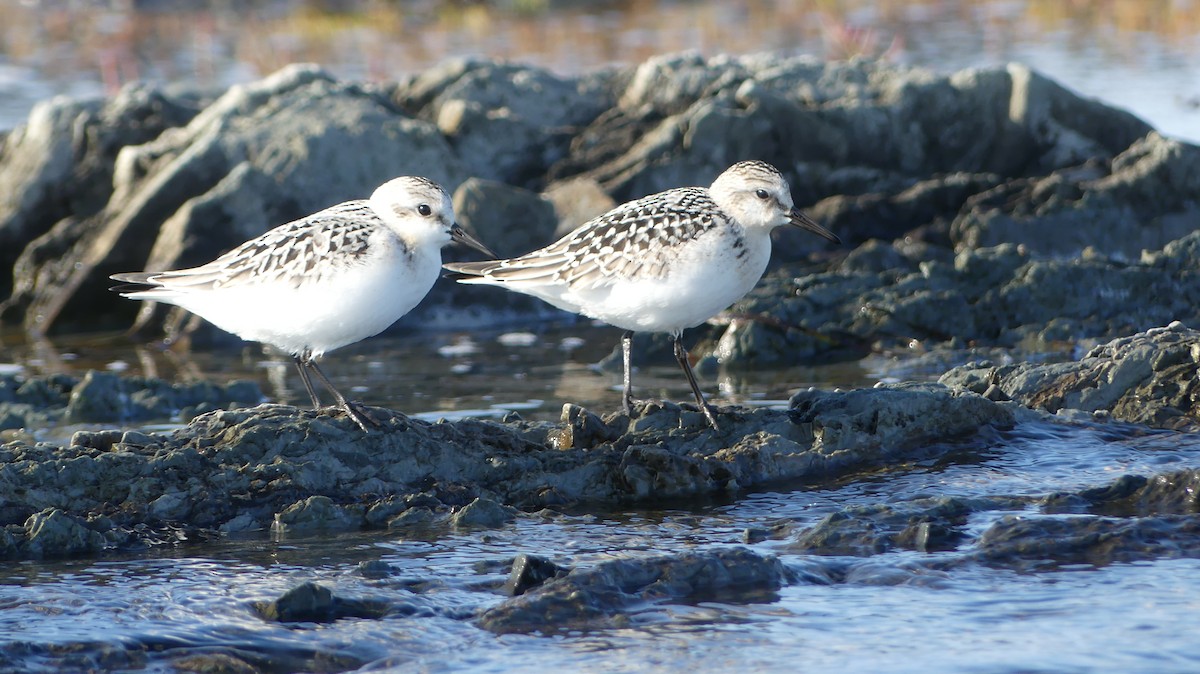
901, 611
897, 611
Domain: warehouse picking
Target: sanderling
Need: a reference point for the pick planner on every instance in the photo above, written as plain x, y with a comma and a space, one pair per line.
662, 263
321, 282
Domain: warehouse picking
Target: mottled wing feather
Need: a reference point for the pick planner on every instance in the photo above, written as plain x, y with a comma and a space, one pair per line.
635, 240
296, 252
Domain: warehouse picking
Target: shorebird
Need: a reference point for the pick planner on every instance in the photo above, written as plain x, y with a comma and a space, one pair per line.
321, 282
662, 263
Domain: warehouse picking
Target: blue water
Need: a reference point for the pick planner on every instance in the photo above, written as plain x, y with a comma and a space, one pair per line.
899, 611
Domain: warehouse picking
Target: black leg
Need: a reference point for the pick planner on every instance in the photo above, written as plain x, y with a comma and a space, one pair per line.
626, 348
354, 410
300, 365
681, 355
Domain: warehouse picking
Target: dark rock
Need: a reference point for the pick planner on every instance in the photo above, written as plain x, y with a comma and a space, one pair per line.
236, 470
214, 663
375, 569
108, 397
1141, 195
310, 602
529, 572
924, 525
97, 397
1033, 541
260, 155
1175, 493
483, 513
576, 201
596, 596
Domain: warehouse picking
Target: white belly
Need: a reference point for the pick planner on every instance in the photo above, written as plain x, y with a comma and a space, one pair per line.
700, 283
320, 316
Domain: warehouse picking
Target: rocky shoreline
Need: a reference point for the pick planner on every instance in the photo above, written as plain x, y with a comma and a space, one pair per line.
985, 211
291, 471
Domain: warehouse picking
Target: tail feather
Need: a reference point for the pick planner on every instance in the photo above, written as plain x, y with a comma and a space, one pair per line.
502, 271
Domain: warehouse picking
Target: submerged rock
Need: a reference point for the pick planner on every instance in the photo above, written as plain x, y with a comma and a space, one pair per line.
600, 595
311, 602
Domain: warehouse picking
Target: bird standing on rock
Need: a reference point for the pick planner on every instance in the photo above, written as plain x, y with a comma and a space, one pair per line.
324, 281
662, 263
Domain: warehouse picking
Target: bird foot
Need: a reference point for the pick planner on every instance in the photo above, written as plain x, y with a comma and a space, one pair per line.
360, 415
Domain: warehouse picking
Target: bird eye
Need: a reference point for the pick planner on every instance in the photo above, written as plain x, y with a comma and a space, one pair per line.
762, 194
424, 209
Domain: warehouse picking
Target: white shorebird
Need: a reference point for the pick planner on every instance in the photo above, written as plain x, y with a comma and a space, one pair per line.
321, 282
662, 263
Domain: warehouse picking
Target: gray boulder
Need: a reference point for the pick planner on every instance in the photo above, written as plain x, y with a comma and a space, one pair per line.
1146, 378
259, 156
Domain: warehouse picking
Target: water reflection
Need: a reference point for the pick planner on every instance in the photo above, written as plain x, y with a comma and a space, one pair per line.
442, 375
1140, 54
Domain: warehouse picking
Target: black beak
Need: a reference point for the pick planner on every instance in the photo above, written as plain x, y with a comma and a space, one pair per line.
804, 222
459, 235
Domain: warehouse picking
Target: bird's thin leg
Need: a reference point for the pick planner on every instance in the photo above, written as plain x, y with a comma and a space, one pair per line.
681, 355
354, 410
301, 360
626, 349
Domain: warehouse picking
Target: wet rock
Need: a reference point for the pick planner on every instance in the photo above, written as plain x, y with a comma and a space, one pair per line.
1176, 493
235, 470
993, 296
316, 513
375, 569
1147, 378
924, 525
597, 596
581, 429
529, 572
418, 517
53, 533
311, 602
886, 419
97, 397
214, 663
483, 513
1032, 541
776, 531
